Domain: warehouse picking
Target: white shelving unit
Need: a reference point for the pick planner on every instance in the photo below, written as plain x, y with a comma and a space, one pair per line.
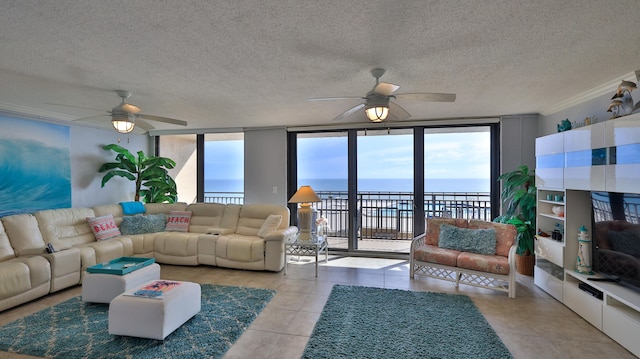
553, 256
572, 164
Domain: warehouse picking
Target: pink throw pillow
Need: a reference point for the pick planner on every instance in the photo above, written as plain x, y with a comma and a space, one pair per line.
103, 227
178, 221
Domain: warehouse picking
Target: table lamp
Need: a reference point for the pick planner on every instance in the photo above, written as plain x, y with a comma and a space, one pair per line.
305, 196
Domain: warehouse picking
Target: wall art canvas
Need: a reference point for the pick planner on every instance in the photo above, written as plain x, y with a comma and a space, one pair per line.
35, 166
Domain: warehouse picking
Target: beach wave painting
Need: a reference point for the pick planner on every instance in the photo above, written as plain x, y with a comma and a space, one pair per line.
35, 166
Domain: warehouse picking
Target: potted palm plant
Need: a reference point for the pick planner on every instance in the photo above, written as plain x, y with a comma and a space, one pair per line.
150, 174
519, 197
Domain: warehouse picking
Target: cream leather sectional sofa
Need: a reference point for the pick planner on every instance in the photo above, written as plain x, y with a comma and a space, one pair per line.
218, 235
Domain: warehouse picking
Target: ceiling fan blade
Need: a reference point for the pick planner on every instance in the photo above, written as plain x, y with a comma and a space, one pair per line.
385, 88
348, 112
432, 97
397, 112
172, 121
336, 98
143, 124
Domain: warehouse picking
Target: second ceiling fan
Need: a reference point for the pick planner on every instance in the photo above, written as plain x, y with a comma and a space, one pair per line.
378, 104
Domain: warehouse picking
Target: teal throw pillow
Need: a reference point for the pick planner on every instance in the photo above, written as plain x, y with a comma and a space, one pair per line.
481, 241
139, 224
130, 208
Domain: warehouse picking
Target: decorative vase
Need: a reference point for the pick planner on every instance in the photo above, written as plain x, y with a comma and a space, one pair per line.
524, 264
583, 262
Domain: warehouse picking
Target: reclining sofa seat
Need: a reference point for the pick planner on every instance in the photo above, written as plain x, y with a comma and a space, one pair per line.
22, 277
68, 228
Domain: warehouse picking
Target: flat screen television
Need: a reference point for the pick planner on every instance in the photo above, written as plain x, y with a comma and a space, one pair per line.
616, 237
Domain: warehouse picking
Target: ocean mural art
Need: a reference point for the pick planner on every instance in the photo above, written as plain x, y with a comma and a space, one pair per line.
35, 166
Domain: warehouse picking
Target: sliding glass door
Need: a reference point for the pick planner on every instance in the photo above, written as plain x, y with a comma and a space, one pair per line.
377, 186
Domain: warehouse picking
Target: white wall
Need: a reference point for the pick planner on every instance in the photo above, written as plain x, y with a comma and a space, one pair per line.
265, 166
596, 107
87, 156
517, 141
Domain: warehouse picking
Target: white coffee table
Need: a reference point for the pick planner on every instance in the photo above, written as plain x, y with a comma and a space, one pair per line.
154, 318
102, 287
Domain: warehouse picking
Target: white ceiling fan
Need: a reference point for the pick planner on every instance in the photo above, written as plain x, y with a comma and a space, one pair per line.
377, 102
126, 116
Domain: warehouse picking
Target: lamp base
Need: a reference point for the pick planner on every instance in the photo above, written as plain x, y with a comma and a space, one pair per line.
305, 216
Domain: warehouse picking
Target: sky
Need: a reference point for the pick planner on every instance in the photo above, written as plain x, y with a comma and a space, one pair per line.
459, 155
447, 155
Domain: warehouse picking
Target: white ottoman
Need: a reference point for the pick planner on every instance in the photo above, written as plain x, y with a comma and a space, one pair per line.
154, 318
102, 288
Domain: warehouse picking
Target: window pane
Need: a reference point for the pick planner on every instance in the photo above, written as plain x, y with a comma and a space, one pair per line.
457, 169
182, 149
224, 167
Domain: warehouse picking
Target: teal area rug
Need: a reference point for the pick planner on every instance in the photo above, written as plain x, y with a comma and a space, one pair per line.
74, 329
362, 322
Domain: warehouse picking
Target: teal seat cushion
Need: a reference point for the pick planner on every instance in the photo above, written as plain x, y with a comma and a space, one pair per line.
481, 241
139, 224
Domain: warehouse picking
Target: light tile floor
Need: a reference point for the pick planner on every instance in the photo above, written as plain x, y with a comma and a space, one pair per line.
533, 325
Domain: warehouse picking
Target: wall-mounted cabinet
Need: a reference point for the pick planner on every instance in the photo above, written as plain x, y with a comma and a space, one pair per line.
600, 157
585, 157
550, 161
623, 142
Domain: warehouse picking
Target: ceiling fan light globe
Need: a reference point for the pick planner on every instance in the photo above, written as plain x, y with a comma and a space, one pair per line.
123, 124
377, 114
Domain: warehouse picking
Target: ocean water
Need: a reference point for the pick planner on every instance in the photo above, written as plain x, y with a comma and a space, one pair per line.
369, 185
33, 177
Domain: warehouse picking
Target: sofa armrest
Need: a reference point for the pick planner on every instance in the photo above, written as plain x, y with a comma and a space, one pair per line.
219, 231
65, 268
417, 242
285, 235
512, 257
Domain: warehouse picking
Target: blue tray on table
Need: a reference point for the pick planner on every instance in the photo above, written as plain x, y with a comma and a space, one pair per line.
121, 266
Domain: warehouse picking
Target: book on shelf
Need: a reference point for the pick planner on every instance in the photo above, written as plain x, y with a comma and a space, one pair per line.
155, 289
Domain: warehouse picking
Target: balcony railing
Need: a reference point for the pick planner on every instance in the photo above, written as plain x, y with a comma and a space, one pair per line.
385, 215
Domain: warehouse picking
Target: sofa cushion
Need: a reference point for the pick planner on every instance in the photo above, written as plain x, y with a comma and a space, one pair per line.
240, 248
140, 224
131, 208
205, 216
113, 209
66, 227
505, 234
103, 227
24, 234
269, 225
484, 263
435, 254
433, 228
178, 221
6, 250
482, 241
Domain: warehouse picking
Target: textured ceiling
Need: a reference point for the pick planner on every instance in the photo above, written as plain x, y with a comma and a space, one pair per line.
231, 64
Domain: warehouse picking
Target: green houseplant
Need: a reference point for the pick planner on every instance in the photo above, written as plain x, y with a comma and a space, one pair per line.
519, 198
150, 173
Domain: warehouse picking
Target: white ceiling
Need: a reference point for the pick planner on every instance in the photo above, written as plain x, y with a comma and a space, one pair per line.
232, 64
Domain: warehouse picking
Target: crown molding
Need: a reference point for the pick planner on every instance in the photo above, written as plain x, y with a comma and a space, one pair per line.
34, 112
597, 91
